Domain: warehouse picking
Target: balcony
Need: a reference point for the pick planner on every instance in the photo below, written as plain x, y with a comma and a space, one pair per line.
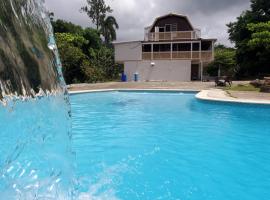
177, 35
204, 56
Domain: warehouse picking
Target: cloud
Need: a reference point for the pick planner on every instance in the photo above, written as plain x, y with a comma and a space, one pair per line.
211, 16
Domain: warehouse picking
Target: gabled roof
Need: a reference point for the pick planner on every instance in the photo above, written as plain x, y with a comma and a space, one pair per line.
168, 15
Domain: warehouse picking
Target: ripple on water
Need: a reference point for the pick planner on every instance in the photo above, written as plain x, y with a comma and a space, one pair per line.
171, 146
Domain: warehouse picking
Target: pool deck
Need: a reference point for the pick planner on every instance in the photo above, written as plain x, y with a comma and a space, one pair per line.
234, 96
207, 90
189, 86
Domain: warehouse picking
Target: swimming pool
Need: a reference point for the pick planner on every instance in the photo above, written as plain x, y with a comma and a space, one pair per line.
151, 145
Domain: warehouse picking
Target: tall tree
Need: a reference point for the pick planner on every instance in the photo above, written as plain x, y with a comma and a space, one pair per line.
108, 29
96, 10
260, 35
61, 26
84, 57
250, 60
224, 60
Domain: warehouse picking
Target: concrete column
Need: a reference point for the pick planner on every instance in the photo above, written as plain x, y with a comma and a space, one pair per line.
200, 49
152, 51
171, 50
213, 50
191, 50
201, 66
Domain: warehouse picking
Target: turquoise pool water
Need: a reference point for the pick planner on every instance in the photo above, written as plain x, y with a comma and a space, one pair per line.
169, 146
35, 150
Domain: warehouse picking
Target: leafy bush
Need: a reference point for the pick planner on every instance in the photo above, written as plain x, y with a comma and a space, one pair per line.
225, 60
85, 58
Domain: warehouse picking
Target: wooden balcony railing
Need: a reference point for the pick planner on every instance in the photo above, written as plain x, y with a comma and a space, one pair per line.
161, 36
147, 56
161, 55
181, 55
205, 56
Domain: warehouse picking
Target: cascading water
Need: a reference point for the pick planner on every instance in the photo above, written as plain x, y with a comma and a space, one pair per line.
35, 135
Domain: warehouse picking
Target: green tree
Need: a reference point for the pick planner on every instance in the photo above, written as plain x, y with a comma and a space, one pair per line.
103, 59
260, 36
108, 29
84, 57
72, 56
224, 60
72, 39
93, 38
89, 34
96, 10
252, 61
61, 26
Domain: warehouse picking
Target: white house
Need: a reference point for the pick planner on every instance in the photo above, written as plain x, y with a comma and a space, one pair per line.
172, 50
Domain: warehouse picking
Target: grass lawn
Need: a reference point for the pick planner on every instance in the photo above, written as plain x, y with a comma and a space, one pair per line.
242, 87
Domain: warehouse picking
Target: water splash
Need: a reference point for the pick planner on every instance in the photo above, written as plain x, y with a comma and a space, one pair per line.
35, 134
27, 66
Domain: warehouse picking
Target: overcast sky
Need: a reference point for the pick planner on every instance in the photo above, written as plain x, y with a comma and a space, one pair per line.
211, 16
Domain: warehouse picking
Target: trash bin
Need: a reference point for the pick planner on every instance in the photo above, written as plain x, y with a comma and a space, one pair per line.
136, 77
124, 77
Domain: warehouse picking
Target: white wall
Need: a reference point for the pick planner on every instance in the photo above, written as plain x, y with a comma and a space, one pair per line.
164, 70
129, 51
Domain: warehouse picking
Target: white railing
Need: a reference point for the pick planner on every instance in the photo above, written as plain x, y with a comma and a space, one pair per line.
176, 35
206, 56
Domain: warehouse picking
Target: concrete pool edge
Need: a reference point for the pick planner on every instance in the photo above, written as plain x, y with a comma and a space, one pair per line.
132, 90
219, 95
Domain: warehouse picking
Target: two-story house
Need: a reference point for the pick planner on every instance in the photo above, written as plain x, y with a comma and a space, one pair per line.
172, 50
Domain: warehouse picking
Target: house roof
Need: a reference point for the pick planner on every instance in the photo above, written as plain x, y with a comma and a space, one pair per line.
168, 15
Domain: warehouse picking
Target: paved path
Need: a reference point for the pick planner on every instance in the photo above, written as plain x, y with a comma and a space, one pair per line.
236, 97
198, 86
250, 95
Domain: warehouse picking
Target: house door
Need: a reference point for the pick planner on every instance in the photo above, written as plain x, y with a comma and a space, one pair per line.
194, 72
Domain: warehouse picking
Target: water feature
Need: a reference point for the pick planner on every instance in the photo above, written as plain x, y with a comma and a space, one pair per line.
35, 131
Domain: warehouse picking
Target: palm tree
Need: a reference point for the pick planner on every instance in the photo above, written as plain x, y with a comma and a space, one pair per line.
108, 29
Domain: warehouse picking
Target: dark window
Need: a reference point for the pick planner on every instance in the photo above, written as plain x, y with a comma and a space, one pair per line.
175, 47
206, 45
168, 28
182, 47
195, 46
185, 47
161, 29
174, 27
146, 48
156, 47
162, 47
165, 47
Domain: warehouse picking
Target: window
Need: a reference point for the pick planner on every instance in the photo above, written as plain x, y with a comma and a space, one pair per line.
161, 29
162, 47
165, 47
206, 45
182, 47
174, 27
196, 46
168, 28
175, 47
156, 48
146, 48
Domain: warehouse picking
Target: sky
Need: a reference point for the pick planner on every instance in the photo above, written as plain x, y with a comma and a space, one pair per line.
211, 16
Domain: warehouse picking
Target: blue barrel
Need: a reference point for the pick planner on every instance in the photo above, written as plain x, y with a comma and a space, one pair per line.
136, 77
124, 77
